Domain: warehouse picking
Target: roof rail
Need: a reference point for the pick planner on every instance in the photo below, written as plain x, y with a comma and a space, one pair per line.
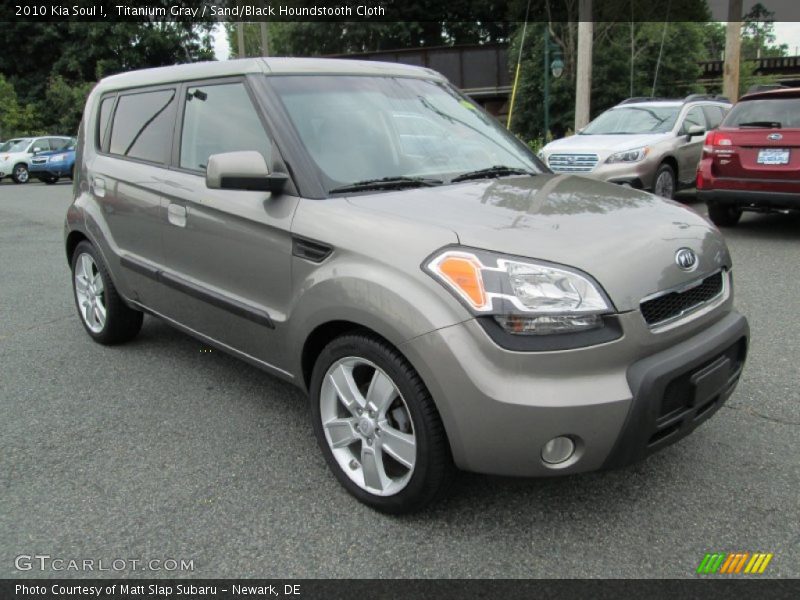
716, 97
644, 99
765, 87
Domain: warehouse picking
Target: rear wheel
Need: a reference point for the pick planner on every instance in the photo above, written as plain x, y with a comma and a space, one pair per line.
105, 316
377, 425
724, 216
20, 173
664, 183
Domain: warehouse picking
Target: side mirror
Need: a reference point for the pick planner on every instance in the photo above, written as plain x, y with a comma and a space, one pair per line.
36, 150
695, 130
245, 170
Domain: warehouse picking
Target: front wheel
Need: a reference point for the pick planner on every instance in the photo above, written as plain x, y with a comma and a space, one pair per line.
664, 184
105, 316
50, 179
377, 425
724, 216
20, 173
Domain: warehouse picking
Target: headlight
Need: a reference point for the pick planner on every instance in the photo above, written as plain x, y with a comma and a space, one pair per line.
58, 158
629, 156
524, 297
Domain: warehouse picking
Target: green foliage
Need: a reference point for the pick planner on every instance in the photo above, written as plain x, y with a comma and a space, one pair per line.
15, 119
318, 38
53, 66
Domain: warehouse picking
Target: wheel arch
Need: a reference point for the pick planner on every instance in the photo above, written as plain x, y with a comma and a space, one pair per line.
73, 239
672, 162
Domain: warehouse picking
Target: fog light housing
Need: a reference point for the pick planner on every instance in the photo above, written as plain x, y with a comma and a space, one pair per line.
558, 450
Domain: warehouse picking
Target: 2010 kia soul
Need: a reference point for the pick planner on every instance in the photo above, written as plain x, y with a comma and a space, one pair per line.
368, 233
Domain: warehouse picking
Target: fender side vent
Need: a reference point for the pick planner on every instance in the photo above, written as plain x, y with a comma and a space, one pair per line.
310, 250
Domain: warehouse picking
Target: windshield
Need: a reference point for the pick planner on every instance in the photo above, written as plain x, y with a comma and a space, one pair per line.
359, 128
767, 113
633, 119
18, 145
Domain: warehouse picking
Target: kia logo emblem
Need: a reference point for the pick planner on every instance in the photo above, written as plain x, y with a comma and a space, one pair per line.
775, 136
686, 259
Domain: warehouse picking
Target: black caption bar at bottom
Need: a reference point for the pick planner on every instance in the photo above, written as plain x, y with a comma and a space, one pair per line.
391, 589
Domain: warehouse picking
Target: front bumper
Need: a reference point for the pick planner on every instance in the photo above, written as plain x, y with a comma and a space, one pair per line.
618, 401
49, 169
638, 175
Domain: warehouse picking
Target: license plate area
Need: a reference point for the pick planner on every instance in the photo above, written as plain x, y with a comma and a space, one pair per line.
773, 156
711, 381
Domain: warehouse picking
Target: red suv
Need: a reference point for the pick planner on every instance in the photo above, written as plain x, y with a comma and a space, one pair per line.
752, 162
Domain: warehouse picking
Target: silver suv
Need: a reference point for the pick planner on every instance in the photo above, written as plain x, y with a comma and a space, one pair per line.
646, 143
369, 234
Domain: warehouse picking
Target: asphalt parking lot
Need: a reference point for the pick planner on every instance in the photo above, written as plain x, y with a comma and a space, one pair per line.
158, 450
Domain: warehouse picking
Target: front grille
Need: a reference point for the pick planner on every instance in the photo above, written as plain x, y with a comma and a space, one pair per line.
38, 161
572, 163
674, 304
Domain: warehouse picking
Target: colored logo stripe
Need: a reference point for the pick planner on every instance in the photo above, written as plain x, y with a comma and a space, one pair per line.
730, 563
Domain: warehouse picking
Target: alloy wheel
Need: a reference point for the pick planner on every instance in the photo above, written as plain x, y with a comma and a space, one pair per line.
90, 292
665, 186
368, 426
21, 174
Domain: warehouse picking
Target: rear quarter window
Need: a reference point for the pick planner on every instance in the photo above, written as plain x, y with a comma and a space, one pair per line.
102, 121
142, 125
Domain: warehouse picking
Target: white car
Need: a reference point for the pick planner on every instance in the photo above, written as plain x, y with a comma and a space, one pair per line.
16, 154
646, 143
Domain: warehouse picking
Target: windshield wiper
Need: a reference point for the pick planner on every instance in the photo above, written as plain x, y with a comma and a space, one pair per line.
491, 172
767, 124
386, 183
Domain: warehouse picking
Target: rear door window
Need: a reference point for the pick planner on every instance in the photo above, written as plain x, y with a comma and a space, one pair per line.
142, 126
220, 118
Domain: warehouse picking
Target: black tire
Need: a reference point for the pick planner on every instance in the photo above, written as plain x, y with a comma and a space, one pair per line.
665, 171
433, 470
50, 179
724, 215
20, 174
122, 323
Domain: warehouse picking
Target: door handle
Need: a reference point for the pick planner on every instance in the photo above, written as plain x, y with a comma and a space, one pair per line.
176, 215
99, 187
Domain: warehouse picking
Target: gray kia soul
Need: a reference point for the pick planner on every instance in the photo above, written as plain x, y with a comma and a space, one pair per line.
369, 234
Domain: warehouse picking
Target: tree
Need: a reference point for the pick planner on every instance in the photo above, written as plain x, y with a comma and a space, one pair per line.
318, 38
623, 65
62, 60
15, 119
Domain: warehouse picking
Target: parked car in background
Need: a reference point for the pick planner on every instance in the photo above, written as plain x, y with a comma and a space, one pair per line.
652, 144
15, 158
52, 165
753, 161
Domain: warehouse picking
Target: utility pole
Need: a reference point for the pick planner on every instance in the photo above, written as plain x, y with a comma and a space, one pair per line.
583, 72
264, 39
240, 39
733, 45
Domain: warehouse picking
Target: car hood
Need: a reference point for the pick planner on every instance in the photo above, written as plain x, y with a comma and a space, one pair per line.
626, 239
603, 144
14, 155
